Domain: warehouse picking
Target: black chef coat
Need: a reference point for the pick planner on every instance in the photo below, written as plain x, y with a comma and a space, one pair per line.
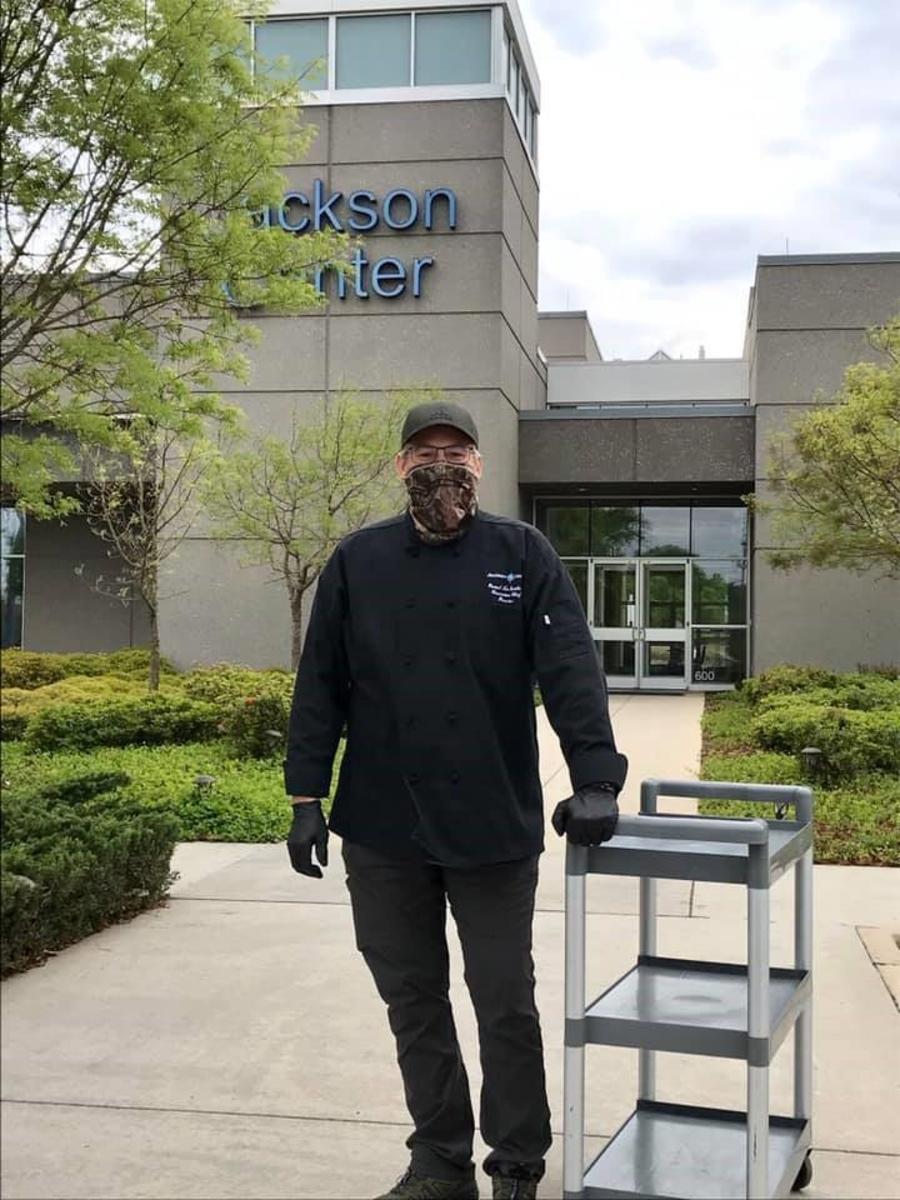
428, 655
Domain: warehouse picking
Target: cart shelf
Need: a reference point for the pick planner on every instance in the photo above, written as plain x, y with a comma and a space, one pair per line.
690, 1007
665, 1151
706, 862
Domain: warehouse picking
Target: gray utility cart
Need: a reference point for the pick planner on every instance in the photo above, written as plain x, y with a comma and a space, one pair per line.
745, 1012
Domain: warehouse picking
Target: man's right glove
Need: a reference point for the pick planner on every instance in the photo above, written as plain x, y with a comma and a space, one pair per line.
589, 816
307, 830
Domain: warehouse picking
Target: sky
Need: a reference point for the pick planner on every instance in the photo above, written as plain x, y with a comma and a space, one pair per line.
679, 139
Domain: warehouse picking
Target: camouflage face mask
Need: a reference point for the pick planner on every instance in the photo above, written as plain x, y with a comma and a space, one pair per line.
442, 500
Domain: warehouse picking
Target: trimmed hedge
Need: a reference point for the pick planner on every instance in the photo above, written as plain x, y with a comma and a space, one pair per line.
852, 742
33, 669
152, 719
245, 803
73, 859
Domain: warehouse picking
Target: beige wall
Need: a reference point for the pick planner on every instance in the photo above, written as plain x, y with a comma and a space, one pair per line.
472, 333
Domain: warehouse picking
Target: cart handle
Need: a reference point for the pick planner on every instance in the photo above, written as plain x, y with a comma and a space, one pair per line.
745, 831
753, 793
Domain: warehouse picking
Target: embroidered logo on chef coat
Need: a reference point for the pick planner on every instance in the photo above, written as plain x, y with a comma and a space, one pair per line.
505, 587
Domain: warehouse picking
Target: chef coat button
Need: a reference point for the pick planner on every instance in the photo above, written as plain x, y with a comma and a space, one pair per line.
451, 717
413, 778
454, 778
410, 602
407, 660
451, 604
410, 720
451, 658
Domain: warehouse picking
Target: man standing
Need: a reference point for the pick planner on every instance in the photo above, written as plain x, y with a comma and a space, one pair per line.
426, 636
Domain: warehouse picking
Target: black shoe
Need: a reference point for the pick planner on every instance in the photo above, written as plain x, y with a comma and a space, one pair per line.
507, 1188
423, 1187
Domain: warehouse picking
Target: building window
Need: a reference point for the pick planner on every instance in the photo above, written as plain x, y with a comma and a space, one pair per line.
373, 52
719, 532
303, 47
453, 47
665, 531
12, 575
718, 655
567, 526
578, 569
615, 531
719, 592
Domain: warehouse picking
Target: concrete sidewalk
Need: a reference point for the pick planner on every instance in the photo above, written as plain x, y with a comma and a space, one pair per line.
231, 1044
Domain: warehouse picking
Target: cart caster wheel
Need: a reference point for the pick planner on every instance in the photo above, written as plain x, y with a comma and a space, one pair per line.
804, 1176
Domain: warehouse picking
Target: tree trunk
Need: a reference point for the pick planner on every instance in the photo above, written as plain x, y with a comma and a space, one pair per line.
154, 649
296, 627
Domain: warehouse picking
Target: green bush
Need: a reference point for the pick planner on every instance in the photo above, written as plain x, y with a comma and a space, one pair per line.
152, 719
12, 724
257, 725
863, 692
225, 684
786, 678
852, 742
74, 860
33, 669
857, 824
762, 766
246, 801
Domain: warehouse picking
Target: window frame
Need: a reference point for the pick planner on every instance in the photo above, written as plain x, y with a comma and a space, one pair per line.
19, 558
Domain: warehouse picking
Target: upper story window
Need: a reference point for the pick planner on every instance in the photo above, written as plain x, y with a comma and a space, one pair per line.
374, 51
453, 47
438, 48
296, 50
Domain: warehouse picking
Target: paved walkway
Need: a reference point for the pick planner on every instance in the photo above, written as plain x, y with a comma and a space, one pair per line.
231, 1044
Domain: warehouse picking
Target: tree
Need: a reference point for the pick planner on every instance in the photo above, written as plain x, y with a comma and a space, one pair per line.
137, 146
292, 501
836, 473
142, 507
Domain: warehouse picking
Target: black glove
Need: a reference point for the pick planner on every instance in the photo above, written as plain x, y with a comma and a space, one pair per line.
307, 830
589, 817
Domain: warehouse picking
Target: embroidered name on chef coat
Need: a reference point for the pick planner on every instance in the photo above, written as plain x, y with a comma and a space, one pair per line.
505, 587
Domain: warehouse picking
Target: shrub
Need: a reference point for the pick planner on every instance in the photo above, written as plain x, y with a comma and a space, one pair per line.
74, 861
786, 678
225, 684
12, 724
762, 766
257, 724
862, 692
852, 742
150, 720
33, 669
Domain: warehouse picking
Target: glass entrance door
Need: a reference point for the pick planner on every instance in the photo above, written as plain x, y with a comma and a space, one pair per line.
614, 610
663, 633
639, 620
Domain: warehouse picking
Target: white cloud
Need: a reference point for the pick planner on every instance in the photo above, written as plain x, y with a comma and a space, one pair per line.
681, 138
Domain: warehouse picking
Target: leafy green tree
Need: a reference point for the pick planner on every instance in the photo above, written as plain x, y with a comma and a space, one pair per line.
836, 473
137, 146
291, 501
142, 506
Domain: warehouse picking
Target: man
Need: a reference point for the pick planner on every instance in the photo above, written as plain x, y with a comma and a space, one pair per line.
426, 635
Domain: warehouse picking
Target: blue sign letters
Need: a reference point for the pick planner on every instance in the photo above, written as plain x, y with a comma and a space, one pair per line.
361, 211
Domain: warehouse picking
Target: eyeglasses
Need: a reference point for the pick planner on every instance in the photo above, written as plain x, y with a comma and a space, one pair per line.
451, 454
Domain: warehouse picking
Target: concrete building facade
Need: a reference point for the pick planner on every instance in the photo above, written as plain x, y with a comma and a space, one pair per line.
427, 149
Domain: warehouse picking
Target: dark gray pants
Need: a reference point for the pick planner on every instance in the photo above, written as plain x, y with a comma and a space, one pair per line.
399, 913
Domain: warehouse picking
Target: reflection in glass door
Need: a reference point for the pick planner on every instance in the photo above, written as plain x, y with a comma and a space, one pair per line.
663, 632
613, 620
639, 620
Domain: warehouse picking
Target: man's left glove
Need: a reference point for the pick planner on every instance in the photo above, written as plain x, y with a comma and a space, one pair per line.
307, 830
589, 817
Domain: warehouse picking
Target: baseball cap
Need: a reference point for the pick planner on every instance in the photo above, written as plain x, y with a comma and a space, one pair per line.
440, 413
